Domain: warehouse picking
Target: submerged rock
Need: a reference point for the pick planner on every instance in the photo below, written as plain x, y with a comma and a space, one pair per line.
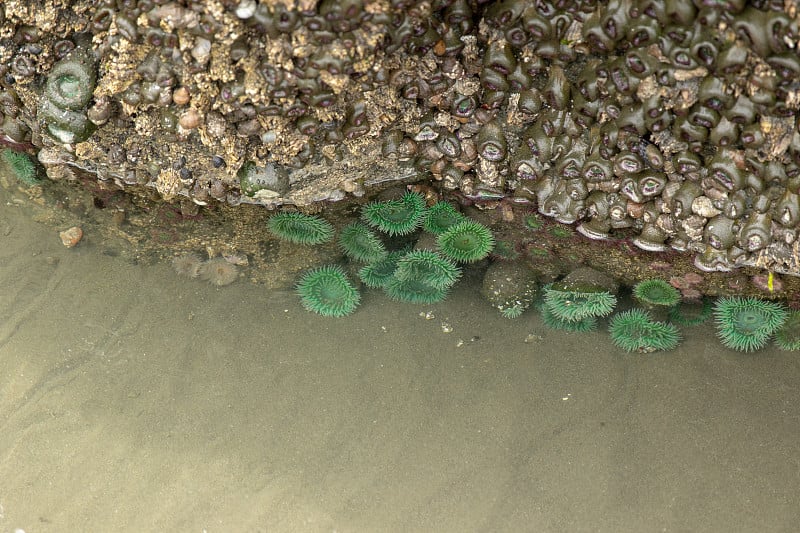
510, 287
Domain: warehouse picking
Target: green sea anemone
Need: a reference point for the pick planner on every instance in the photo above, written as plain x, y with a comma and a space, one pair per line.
513, 311
379, 273
414, 291
656, 293
20, 166
467, 241
587, 323
504, 251
635, 331
440, 216
746, 324
327, 290
562, 232
787, 337
359, 243
395, 217
534, 222
427, 267
300, 228
691, 313
576, 305
415, 200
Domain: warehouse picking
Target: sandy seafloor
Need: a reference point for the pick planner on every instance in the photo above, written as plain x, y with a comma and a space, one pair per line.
132, 399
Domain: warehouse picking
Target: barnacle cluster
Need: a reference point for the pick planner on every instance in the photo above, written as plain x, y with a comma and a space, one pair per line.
673, 122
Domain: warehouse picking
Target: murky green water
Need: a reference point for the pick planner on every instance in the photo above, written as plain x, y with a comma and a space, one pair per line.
132, 399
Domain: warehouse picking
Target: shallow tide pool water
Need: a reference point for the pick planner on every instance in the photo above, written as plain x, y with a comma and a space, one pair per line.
133, 399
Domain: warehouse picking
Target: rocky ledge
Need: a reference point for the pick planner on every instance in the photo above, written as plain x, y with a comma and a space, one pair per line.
672, 125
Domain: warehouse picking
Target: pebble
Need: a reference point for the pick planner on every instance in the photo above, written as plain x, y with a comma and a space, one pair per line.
180, 96
190, 119
72, 236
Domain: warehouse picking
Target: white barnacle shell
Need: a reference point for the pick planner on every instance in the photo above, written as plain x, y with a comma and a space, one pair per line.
704, 206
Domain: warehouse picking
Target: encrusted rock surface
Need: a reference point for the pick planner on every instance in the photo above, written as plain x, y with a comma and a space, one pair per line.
673, 125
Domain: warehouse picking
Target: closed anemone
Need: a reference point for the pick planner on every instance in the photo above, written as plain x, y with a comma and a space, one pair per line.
300, 228
635, 331
656, 292
466, 241
360, 244
441, 216
327, 291
395, 217
427, 267
746, 324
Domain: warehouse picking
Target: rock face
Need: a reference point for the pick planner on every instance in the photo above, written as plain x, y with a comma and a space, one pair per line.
674, 123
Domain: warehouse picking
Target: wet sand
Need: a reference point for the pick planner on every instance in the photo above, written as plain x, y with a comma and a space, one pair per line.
132, 399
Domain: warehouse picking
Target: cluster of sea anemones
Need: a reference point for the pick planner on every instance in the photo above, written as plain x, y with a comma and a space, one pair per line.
418, 276
573, 303
423, 275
